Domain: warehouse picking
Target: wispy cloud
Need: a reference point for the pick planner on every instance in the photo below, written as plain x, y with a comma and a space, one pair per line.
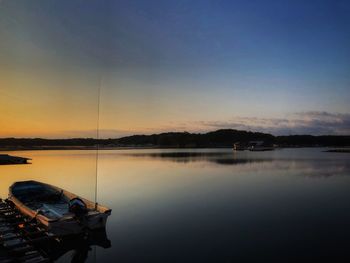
312, 122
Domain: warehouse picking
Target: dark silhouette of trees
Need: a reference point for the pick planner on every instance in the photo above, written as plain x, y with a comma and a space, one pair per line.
219, 138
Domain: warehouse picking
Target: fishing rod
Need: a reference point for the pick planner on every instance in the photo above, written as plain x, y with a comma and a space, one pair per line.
97, 138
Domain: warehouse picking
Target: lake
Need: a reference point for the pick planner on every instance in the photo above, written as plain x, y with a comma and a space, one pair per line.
207, 205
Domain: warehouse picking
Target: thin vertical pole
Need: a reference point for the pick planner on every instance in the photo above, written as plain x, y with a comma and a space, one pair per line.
98, 138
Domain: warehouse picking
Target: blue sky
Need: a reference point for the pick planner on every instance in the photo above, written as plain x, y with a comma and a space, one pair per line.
182, 64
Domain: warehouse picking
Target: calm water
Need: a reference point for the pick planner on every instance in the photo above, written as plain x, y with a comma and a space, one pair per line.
208, 205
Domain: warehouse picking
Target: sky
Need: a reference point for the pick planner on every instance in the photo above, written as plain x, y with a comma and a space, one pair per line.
274, 66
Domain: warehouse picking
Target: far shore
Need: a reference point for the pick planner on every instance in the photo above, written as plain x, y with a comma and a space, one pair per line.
46, 148
223, 138
340, 150
331, 149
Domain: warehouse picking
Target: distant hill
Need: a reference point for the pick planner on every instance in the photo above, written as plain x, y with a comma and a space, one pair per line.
219, 138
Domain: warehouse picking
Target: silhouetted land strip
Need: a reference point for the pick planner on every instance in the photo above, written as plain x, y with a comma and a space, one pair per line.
346, 150
219, 138
8, 159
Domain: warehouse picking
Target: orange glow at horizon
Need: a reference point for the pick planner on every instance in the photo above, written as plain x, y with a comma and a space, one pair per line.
63, 104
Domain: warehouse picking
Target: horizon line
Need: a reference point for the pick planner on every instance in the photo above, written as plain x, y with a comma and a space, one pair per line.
159, 133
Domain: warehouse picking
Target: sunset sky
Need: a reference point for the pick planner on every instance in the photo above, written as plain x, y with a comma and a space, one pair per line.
273, 66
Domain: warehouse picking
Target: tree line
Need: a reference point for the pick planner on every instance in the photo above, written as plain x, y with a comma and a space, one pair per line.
219, 138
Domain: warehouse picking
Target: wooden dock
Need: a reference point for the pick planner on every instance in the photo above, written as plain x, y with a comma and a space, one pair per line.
20, 238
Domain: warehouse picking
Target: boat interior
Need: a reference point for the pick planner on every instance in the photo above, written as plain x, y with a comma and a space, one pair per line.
38, 197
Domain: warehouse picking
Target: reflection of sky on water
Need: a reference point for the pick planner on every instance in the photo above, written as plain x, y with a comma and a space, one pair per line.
302, 165
207, 205
219, 206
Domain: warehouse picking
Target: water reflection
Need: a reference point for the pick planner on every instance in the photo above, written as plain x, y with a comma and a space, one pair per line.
76, 249
310, 167
186, 157
208, 205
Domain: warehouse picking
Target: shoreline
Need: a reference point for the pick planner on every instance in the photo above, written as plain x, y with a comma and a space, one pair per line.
334, 149
339, 150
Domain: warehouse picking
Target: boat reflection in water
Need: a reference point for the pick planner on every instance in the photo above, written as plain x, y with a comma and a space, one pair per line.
76, 247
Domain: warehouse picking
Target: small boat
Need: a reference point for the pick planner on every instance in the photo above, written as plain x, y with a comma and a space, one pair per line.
239, 146
59, 211
260, 146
